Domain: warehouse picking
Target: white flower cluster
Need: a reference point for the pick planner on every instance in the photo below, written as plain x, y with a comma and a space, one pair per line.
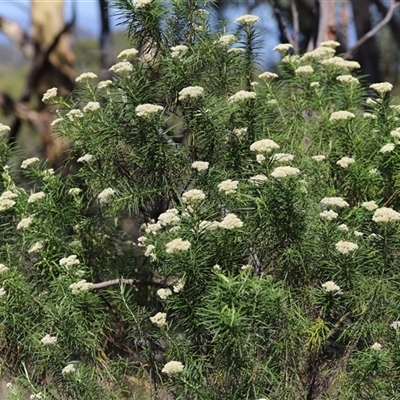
149, 252
344, 162
24, 223
37, 396
178, 286
193, 196
334, 202
268, 75
190, 92
231, 221
127, 54
318, 54
387, 148
172, 367
2, 292
283, 172
152, 227
70, 368
242, 95
395, 133
341, 115
49, 95
395, 325
74, 191
56, 121
282, 157
4, 129
369, 205
329, 215
28, 162
247, 19
345, 247
340, 63
74, 114
382, 88
226, 40
376, 346
48, 340
6, 201
169, 217
283, 47
163, 294
86, 77
305, 70
36, 196
330, 286
228, 187
122, 68
160, 319
85, 158
208, 226
258, 180
91, 106
318, 158
330, 43
348, 79
81, 286
147, 110
104, 84
69, 261
369, 115
105, 196
385, 215
178, 51
264, 146
35, 247
177, 245
200, 165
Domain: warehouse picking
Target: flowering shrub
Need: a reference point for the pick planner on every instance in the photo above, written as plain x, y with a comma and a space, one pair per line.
186, 255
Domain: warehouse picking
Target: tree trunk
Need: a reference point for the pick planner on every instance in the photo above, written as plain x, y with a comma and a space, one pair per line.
368, 53
327, 21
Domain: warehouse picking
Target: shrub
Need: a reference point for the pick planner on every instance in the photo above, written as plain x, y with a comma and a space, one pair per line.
263, 260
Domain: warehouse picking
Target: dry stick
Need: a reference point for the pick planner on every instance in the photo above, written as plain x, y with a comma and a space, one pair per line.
296, 25
130, 282
282, 22
374, 31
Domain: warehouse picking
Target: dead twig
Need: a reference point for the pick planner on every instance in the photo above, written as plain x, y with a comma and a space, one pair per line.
393, 6
131, 282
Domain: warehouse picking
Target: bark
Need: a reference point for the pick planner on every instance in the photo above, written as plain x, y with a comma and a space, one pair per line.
327, 21
106, 53
47, 23
368, 54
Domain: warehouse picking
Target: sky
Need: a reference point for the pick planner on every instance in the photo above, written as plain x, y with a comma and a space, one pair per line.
88, 20
88, 14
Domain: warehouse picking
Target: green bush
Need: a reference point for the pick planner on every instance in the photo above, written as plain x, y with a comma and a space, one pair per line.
262, 257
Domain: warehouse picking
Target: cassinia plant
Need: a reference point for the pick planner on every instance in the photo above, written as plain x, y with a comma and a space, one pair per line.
250, 222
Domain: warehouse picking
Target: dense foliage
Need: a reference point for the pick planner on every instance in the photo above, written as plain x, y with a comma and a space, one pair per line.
248, 218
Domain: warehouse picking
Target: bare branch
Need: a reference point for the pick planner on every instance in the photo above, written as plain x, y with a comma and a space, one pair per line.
282, 24
130, 282
394, 25
296, 25
374, 31
20, 39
